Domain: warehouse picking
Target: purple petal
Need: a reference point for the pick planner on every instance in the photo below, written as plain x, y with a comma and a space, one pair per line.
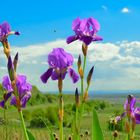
25, 99
13, 100
7, 96
97, 38
23, 89
95, 24
83, 25
54, 75
131, 103
76, 24
70, 39
2, 103
137, 115
73, 75
21, 80
118, 118
64, 75
7, 84
59, 59
5, 28
10, 64
10, 68
86, 39
46, 75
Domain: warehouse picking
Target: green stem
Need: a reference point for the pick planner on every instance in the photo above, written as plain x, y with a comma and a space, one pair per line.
61, 130
82, 93
5, 124
84, 64
115, 138
82, 87
129, 126
82, 79
76, 124
61, 116
23, 125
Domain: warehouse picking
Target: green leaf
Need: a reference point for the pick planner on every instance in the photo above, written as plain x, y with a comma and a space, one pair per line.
96, 129
30, 135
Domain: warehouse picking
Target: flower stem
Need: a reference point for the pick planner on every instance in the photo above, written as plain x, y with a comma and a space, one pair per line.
129, 126
84, 63
5, 124
82, 79
61, 110
23, 125
60, 116
77, 123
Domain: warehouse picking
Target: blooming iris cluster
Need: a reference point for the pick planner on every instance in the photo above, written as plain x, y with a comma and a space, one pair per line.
5, 31
85, 30
60, 63
23, 91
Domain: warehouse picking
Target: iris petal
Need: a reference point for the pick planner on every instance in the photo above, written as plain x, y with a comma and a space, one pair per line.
86, 39
2, 103
54, 75
137, 115
97, 38
73, 75
25, 99
13, 100
44, 77
72, 38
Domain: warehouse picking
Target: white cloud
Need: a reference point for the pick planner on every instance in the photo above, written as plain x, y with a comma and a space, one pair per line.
103, 52
125, 10
34, 62
116, 63
3, 68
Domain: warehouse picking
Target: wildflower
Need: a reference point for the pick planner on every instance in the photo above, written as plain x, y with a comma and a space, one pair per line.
85, 30
60, 63
5, 31
130, 110
23, 94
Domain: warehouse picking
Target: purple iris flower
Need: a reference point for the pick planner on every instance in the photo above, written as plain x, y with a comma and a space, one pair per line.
5, 31
23, 90
60, 63
130, 104
85, 30
130, 109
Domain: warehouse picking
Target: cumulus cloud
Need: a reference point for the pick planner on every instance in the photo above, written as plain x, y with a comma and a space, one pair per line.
3, 68
116, 63
125, 10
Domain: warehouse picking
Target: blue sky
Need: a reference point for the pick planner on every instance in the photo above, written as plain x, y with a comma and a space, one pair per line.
116, 58
37, 19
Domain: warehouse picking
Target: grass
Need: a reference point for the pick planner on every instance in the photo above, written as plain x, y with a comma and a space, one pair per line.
15, 132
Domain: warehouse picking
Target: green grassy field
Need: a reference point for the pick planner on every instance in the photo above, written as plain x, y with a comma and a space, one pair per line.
40, 105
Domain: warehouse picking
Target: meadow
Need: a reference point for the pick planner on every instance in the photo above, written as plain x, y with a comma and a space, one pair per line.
106, 105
